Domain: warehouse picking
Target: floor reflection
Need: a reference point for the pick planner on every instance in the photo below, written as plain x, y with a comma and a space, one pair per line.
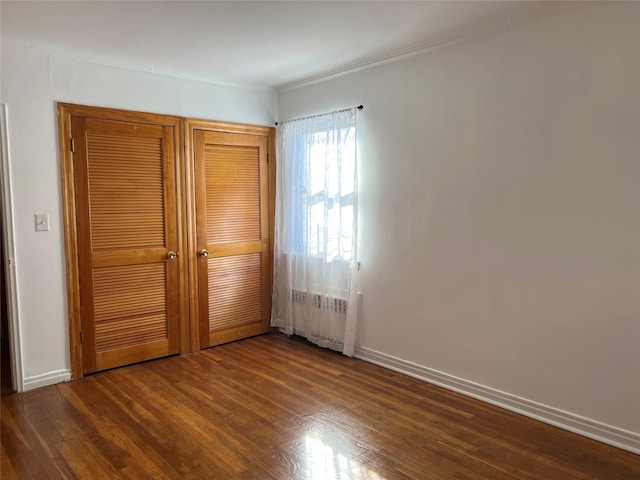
326, 463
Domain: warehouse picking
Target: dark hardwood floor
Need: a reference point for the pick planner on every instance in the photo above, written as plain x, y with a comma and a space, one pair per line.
275, 408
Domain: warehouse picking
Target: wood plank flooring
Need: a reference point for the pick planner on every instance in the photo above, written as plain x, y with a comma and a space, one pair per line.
276, 408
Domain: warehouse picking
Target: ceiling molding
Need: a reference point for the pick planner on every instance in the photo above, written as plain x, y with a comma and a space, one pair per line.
60, 55
374, 62
160, 72
492, 29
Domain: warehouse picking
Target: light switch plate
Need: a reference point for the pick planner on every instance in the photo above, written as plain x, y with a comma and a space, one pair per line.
42, 222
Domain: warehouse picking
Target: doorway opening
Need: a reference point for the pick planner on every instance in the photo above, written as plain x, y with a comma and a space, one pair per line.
6, 382
9, 374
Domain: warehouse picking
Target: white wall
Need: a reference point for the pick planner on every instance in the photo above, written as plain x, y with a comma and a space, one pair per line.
32, 81
500, 209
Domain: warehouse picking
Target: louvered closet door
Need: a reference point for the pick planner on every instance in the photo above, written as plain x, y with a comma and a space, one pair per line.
232, 224
126, 222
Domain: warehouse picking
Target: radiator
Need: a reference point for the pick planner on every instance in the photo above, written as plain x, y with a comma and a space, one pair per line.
333, 304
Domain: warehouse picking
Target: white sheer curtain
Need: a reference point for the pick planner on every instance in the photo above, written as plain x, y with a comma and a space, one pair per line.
316, 228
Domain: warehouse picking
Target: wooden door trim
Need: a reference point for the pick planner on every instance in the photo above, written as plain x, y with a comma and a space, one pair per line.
65, 113
227, 127
70, 239
191, 125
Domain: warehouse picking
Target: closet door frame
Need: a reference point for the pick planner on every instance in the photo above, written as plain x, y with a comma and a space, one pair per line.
65, 113
191, 125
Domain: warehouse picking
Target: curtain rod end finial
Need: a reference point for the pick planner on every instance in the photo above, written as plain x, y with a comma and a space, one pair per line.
360, 107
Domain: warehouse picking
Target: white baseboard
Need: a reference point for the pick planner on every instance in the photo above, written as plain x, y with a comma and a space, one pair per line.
587, 427
45, 379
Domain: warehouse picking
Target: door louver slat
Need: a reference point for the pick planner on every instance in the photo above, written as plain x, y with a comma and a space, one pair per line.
232, 193
126, 192
129, 305
234, 291
130, 332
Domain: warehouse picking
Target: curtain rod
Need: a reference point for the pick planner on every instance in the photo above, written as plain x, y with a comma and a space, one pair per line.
359, 107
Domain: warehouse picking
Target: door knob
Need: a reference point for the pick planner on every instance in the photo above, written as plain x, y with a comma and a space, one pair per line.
171, 255
204, 253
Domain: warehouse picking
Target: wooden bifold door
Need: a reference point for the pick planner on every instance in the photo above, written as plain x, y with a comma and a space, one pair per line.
233, 235
167, 252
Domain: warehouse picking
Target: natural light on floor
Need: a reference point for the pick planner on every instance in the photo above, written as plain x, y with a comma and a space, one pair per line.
326, 463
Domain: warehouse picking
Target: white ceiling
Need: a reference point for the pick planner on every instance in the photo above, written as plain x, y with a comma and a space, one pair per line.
263, 43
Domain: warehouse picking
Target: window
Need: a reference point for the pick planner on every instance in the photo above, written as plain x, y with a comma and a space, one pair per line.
320, 170
330, 194
314, 291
